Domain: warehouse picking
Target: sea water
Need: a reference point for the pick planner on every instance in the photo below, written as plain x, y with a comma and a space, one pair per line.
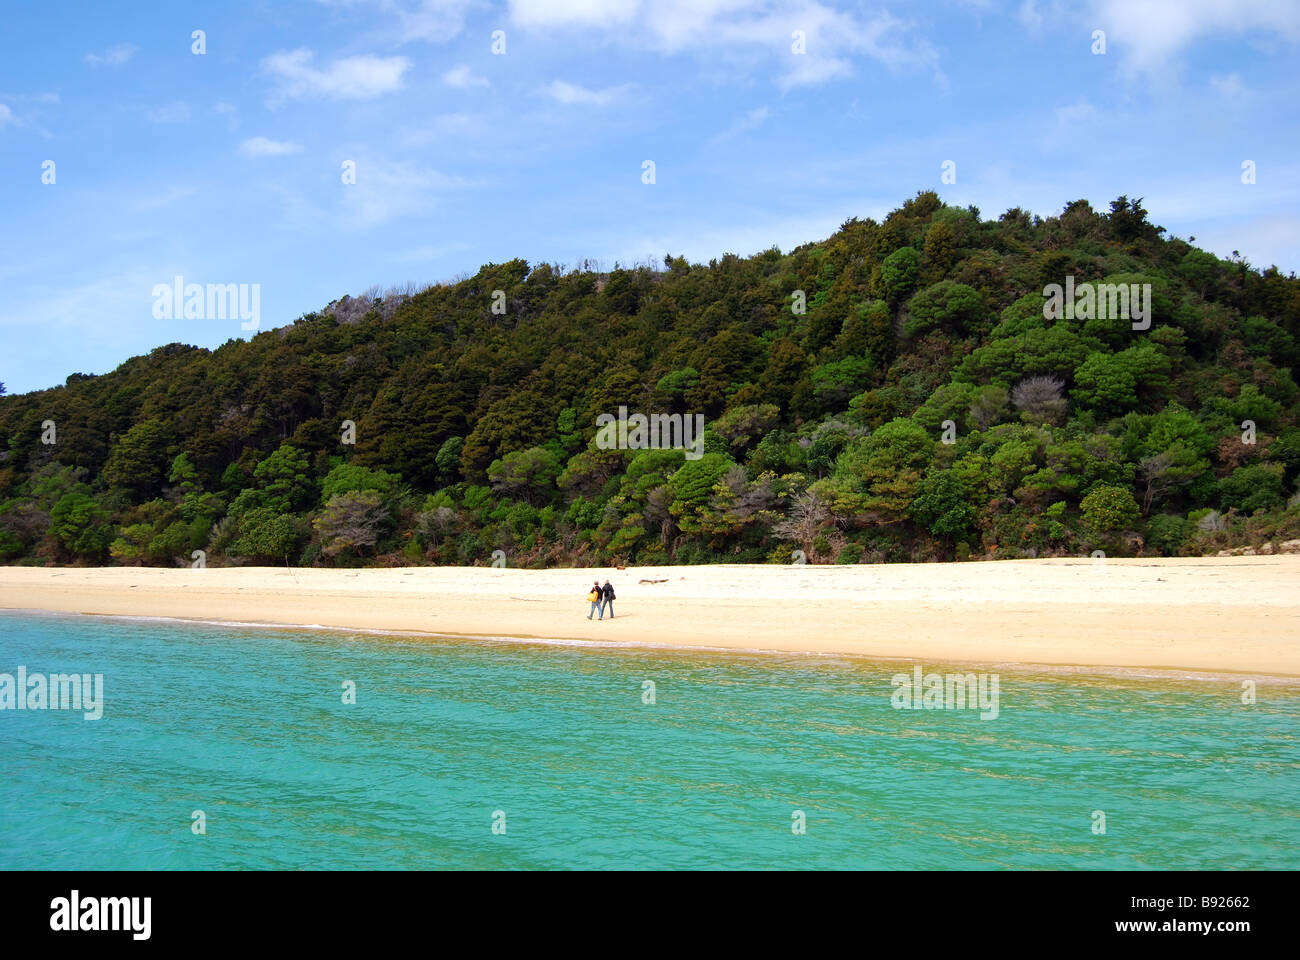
226, 747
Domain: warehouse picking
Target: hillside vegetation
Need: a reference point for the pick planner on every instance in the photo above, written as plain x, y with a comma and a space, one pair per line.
921, 407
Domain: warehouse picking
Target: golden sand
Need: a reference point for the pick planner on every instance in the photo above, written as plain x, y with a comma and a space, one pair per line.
1231, 614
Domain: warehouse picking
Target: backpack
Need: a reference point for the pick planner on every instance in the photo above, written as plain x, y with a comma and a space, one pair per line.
593, 595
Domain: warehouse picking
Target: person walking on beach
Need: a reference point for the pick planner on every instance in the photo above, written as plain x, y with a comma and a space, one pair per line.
608, 594
597, 600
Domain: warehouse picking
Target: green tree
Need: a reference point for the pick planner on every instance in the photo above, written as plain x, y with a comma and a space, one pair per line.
448, 459
1252, 488
528, 474
139, 459
741, 426
266, 534
284, 480
1108, 510
899, 273
1128, 220
835, 382
942, 505
887, 467
81, 525
953, 308
1109, 383
352, 521
183, 474
351, 478
940, 247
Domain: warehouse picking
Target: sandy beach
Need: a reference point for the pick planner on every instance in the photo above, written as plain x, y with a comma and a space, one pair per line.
1236, 614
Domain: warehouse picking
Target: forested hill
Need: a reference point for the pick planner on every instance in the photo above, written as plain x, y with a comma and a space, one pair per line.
895, 392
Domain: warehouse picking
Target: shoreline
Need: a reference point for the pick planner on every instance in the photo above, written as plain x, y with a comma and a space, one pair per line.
1238, 616
1149, 672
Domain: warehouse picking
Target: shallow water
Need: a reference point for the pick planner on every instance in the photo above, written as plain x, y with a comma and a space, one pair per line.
448, 737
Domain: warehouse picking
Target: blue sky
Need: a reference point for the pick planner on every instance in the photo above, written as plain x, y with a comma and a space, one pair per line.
226, 167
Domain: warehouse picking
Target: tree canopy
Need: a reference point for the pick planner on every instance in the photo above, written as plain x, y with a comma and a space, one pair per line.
897, 391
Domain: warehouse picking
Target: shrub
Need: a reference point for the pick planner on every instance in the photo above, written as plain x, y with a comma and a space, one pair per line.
1166, 533
1256, 487
1108, 510
851, 553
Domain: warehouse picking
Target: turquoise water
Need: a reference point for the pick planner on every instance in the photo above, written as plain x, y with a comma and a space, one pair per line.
248, 725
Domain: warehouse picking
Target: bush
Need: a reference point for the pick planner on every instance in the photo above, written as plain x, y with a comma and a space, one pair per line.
1108, 510
266, 534
1256, 487
81, 525
350, 478
899, 272
851, 553
950, 307
1166, 533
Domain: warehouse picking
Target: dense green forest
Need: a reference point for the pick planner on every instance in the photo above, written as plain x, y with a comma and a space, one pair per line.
892, 393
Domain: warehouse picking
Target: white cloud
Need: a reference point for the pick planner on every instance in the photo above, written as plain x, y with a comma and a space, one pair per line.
31, 97
404, 21
1075, 124
31, 107
34, 101
1230, 87
448, 126
1028, 14
432, 20
752, 120
351, 78
1151, 33
175, 112
570, 93
462, 78
159, 201
113, 56
263, 147
436, 21
814, 71
758, 30
587, 13
230, 112
386, 190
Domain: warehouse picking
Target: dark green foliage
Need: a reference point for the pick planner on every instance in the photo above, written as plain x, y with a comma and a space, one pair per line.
952, 308
266, 534
1166, 533
476, 431
899, 273
943, 505
1256, 487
